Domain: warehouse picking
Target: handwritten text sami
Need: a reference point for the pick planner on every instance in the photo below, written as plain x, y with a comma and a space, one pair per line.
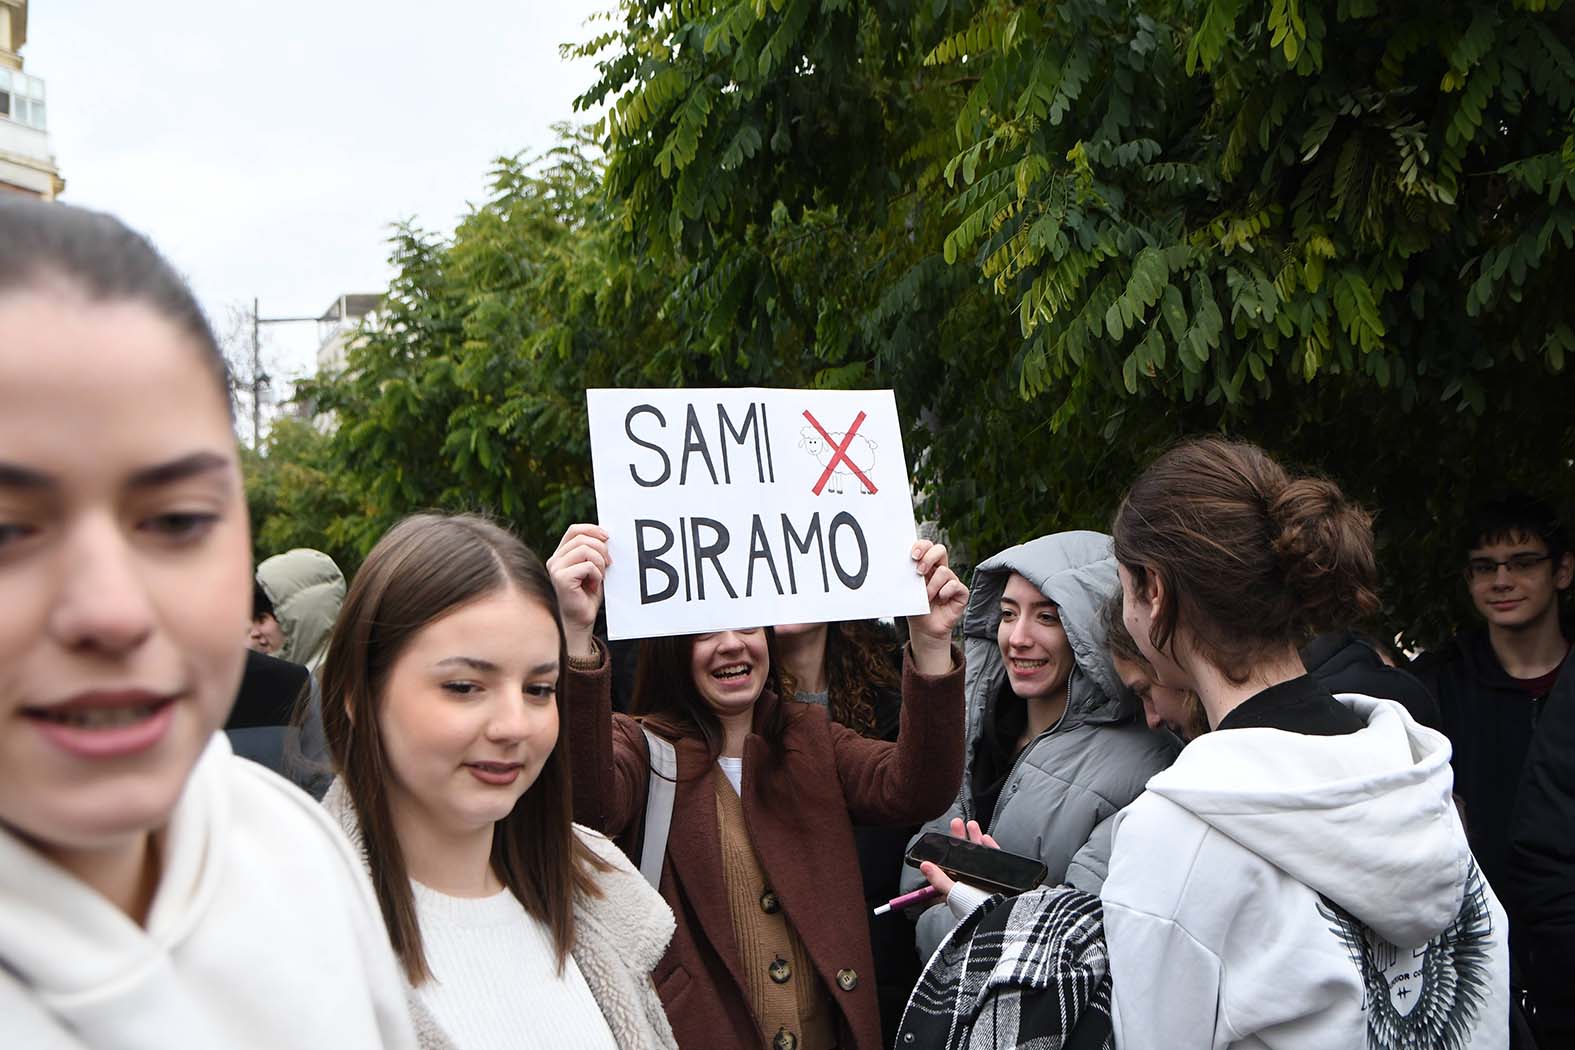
789, 553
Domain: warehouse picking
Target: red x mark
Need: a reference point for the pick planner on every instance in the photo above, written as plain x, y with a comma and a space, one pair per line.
841, 453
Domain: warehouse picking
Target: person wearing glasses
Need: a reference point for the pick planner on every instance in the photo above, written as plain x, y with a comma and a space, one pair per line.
1494, 682
1491, 681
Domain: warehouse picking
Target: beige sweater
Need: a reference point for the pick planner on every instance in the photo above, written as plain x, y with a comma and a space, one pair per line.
784, 991
619, 938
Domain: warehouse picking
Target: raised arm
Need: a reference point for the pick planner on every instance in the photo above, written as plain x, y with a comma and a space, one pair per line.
917, 777
608, 761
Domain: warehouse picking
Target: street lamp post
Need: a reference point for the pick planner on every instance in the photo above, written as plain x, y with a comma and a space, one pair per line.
259, 377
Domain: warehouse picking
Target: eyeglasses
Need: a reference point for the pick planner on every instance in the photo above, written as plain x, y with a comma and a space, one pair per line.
1517, 564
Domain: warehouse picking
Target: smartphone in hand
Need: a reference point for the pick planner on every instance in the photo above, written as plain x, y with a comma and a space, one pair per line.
990, 869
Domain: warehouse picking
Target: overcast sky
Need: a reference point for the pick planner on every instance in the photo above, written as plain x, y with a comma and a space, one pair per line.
266, 148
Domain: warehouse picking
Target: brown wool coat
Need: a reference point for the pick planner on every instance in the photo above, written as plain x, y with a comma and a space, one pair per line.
800, 815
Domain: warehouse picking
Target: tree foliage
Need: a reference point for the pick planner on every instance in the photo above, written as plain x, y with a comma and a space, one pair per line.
1066, 233
294, 489
469, 392
1337, 228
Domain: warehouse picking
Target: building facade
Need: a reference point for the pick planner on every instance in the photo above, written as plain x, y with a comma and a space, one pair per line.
338, 326
26, 164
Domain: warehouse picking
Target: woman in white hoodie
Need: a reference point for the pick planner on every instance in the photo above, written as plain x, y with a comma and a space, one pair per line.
516, 929
1299, 878
151, 883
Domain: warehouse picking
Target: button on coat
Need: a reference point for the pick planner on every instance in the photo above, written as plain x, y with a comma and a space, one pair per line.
830, 777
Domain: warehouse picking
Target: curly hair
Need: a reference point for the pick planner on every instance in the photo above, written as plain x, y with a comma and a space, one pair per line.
859, 667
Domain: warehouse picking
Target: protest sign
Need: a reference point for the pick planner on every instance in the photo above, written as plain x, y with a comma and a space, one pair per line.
752, 507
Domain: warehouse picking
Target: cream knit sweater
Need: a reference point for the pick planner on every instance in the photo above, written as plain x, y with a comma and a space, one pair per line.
495, 983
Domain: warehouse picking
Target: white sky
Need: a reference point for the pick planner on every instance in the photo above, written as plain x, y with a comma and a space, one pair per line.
266, 148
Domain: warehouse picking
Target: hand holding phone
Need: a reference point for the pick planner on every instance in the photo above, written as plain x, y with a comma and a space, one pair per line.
975, 860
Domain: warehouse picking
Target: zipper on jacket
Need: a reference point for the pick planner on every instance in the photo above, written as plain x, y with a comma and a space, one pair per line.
1008, 789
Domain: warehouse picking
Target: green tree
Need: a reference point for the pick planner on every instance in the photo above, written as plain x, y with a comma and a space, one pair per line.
1337, 228
468, 394
296, 495
1066, 233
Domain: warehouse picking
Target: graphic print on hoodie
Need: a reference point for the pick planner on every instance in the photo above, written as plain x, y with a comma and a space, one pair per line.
1272, 889
1429, 996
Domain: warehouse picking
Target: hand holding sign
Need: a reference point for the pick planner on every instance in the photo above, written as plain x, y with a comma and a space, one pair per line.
930, 635
578, 568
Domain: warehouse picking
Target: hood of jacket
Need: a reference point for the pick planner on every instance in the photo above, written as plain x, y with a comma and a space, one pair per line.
1336, 651
237, 838
1364, 819
71, 944
1077, 571
306, 589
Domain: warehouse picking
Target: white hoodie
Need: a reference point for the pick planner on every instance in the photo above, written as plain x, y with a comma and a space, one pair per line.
1278, 890
263, 933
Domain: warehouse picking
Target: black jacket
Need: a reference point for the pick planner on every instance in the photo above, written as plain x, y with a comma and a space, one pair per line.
1539, 886
1347, 664
261, 727
1489, 721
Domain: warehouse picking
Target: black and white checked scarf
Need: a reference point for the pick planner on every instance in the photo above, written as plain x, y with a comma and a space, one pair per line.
1021, 973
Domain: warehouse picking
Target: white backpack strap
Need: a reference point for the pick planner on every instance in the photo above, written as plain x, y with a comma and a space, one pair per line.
658, 805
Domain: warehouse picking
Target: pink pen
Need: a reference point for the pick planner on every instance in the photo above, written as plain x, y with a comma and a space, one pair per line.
916, 897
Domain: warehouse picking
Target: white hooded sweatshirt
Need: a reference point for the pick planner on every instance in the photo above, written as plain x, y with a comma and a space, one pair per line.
263, 933
1298, 892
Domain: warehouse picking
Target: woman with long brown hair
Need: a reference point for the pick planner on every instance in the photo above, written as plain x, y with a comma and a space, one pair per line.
514, 927
771, 949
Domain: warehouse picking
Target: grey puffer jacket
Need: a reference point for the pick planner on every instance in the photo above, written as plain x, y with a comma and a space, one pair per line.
1071, 779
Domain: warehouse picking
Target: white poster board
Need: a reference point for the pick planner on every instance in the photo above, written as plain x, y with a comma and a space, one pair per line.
752, 507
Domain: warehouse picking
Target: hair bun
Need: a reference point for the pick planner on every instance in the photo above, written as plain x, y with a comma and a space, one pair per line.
1324, 544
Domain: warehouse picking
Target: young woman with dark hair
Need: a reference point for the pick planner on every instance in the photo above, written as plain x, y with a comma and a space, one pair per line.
514, 927
851, 667
760, 869
1299, 877
1055, 745
155, 890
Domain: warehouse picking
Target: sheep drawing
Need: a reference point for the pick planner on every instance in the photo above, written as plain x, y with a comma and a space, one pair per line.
861, 452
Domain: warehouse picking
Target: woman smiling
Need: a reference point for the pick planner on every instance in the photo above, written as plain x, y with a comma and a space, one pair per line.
1056, 747
150, 881
515, 928
772, 948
